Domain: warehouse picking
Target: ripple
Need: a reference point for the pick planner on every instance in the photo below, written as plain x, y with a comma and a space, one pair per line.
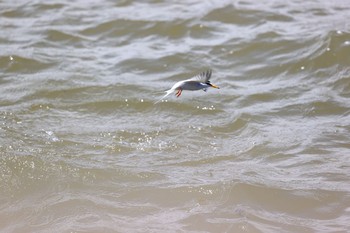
334, 54
60, 36
241, 16
20, 64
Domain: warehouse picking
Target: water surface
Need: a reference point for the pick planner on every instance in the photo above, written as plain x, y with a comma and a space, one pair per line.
84, 149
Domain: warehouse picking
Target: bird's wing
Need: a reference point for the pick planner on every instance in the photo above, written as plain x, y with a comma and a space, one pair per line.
202, 77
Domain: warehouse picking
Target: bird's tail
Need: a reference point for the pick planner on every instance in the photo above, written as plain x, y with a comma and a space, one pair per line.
168, 92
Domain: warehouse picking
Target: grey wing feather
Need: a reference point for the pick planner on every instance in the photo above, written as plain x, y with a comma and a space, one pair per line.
202, 77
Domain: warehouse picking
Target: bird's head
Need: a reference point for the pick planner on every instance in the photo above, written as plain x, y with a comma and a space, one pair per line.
212, 85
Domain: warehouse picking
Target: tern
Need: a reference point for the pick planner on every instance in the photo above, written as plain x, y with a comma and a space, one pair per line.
198, 82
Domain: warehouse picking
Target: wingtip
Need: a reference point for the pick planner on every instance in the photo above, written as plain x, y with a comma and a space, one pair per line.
208, 73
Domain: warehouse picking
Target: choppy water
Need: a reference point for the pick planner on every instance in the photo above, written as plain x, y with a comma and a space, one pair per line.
84, 149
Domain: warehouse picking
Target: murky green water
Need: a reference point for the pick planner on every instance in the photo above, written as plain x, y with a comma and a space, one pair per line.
84, 149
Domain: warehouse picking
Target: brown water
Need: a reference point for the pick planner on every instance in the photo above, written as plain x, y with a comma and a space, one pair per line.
84, 149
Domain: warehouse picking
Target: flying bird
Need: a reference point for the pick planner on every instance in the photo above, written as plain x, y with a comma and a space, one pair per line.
198, 82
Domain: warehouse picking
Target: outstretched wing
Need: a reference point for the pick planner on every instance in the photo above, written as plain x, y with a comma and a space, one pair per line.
202, 77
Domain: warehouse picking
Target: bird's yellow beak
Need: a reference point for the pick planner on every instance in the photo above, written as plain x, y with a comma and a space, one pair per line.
214, 86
